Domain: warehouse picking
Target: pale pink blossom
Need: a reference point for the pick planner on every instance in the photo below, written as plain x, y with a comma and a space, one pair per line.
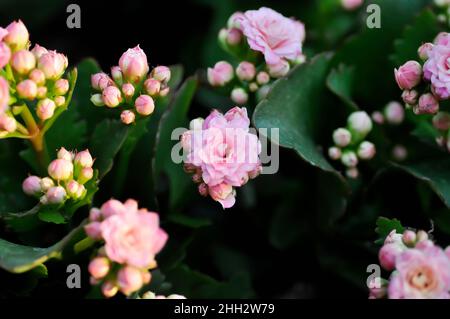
111, 96
53, 64
437, 68
17, 37
27, 89
144, 105
133, 64
220, 74
408, 75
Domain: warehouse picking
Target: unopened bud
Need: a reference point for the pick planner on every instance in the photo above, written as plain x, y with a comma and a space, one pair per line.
99, 267
441, 121
366, 150
45, 109
399, 153
239, 96
424, 51
152, 86
233, 36
46, 183
27, 89
349, 159
100, 81
262, 78
38, 51
72, 189
109, 289
127, 117
334, 153
37, 76
408, 75
144, 105
162, 74
83, 159
60, 100
111, 96
196, 124
117, 75
97, 99
378, 117
18, 36
41, 92
85, 175
352, 172
60, 169
410, 97
56, 195
8, 123
61, 87
65, 154
129, 279
279, 70
221, 74
342, 137
359, 123
246, 71
428, 104
23, 61
409, 237
128, 90
394, 113
32, 185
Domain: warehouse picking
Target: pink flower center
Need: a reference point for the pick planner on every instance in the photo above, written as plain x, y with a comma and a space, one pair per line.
422, 279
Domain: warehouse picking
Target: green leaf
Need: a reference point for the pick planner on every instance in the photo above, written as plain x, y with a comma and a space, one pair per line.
341, 82
385, 226
19, 258
51, 216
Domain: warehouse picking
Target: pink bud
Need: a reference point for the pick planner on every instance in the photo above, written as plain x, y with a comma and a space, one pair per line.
41, 92
117, 75
164, 92
221, 74
93, 230
279, 70
7, 123
38, 51
60, 100
27, 89
60, 169
424, 244
128, 90
72, 188
262, 78
360, 123
65, 154
203, 189
146, 277
410, 96
399, 153
61, 87
23, 61
234, 36
17, 37
45, 109
366, 150
83, 159
378, 117
428, 104
37, 76
246, 71
162, 74
224, 194
408, 75
129, 279
409, 237
342, 137
86, 174
394, 113
152, 86
352, 172
95, 215
127, 117
5, 54
422, 235
99, 267
387, 255
351, 4
53, 64
100, 81
109, 289
4, 95
197, 178
424, 50
46, 183
144, 105
32, 185
235, 20
239, 96
349, 159
56, 195
111, 96
133, 64
81, 192
441, 121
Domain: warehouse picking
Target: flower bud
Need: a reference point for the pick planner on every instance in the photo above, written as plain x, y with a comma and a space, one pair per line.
37, 76
196, 124
359, 123
394, 113
109, 289
60, 169
422, 235
334, 153
366, 150
41, 92
410, 96
278, 70
81, 192
351, 4
60, 100
93, 230
5, 54
223, 193
56, 195
152, 86
393, 237
409, 238
342, 137
203, 189
424, 51
53, 64
387, 255
408, 75
100, 81
72, 189
38, 51
61, 87
441, 121
246, 71
17, 37
65, 154
127, 117
352, 172
197, 178
220, 74
144, 105
262, 78
111, 96
133, 64
162, 74
428, 104
239, 96
95, 215
99, 267
8, 123
97, 99
83, 159
253, 87
164, 92
128, 90
129, 279
378, 117
85, 175
349, 159
32, 185
235, 20
45, 109
399, 153
233, 36
46, 183
23, 61
27, 89
117, 75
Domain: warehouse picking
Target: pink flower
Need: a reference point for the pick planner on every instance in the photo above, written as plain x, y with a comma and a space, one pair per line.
221, 74
17, 37
421, 274
144, 105
4, 95
428, 104
5, 54
408, 75
99, 267
129, 279
224, 194
27, 89
437, 68
23, 61
132, 236
111, 96
133, 64
53, 64
272, 34
100, 81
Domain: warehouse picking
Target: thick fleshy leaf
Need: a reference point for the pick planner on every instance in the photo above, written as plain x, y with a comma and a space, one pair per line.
341, 82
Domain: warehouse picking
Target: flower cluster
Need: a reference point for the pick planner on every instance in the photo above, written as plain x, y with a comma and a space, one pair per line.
28, 75
132, 238
350, 144
131, 86
67, 176
420, 269
221, 154
267, 45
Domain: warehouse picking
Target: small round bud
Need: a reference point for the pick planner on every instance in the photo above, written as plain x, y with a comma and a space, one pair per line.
60, 100
23, 61
18, 36
152, 86
399, 153
253, 87
60, 169
428, 104
394, 113
27, 89
220, 74
8, 123
61, 87
134, 65
95, 214
117, 75
378, 117
424, 51
128, 90
65, 154
53, 64
342, 137
334, 153
93, 231
233, 36
81, 192
144, 105
72, 189
161, 74
246, 71
83, 159
32, 185
422, 235
352, 172
56, 195
45, 109
41, 92
279, 70
203, 189
129, 279
100, 81
349, 159
127, 117
37, 76
409, 237
262, 78
196, 124
387, 255
408, 75
239, 96
410, 97
46, 183
97, 99
85, 175
38, 51
111, 96
366, 150
109, 289
360, 123
164, 92
99, 267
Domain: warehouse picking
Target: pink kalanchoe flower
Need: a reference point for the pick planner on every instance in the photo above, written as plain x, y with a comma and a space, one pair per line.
428, 104
111, 96
272, 34
129, 279
224, 194
4, 95
408, 75
27, 89
38, 51
421, 274
100, 81
144, 105
45, 109
133, 64
17, 37
437, 68
53, 64
220, 74
5, 54
23, 61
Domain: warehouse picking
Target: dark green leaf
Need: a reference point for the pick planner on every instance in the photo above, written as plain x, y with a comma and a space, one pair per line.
385, 226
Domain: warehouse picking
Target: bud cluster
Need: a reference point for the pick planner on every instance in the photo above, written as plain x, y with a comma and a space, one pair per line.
34, 75
419, 268
393, 114
131, 86
67, 176
242, 38
350, 145
130, 239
